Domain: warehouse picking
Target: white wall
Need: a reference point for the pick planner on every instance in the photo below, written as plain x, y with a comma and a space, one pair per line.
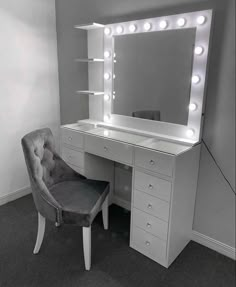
215, 203
29, 95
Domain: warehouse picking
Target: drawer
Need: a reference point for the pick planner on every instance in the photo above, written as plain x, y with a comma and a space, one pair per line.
151, 205
150, 223
73, 157
109, 149
73, 138
148, 244
152, 185
154, 161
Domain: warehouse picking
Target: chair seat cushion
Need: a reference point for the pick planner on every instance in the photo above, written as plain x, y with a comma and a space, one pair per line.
80, 200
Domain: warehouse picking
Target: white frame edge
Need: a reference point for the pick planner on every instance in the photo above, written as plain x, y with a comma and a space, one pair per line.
197, 92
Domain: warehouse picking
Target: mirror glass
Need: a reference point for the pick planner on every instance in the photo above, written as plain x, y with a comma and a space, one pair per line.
153, 74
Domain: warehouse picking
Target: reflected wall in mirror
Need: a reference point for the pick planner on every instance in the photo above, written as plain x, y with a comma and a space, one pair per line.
153, 75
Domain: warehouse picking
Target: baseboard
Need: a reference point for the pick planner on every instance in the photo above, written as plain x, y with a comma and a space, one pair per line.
213, 244
14, 195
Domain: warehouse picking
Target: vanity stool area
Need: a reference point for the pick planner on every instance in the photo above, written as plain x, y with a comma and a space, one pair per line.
164, 179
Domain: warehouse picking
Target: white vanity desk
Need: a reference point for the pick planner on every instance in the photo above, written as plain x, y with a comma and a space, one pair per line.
164, 179
130, 67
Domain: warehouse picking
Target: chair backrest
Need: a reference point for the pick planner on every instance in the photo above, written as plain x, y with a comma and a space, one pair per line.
149, 115
45, 169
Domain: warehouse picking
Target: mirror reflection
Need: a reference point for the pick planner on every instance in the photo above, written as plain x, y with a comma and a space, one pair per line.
153, 75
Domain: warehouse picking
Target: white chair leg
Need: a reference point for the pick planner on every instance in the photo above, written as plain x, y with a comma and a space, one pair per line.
87, 247
40, 235
105, 213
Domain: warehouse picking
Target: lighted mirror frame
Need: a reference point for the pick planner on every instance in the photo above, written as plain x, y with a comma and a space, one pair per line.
201, 20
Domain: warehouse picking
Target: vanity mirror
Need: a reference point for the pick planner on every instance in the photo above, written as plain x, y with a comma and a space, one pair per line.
157, 65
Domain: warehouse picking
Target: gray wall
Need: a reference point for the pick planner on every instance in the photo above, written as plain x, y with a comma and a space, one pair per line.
215, 203
29, 88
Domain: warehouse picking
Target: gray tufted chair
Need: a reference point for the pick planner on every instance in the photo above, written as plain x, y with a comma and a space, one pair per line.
60, 194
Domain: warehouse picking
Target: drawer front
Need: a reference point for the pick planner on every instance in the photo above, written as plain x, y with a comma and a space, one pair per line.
152, 185
73, 157
148, 244
154, 161
109, 149
150, 223
151, 205
72, 138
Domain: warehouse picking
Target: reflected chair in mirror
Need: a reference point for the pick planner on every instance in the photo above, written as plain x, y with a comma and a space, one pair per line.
148, 115
60, 194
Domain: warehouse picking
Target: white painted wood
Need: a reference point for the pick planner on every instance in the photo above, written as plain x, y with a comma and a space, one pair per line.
109, 149
149, 223
40, 235
73, 157
77, 169
72, 137
151, 205
152, 185
154, 161
105, 213
93, 93
89, 60
149, 245
183, 202
214, 244
89, 26
87, 247
15, 195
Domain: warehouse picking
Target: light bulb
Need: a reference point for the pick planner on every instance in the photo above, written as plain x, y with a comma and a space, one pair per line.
201, 20
196, 79
106, 133
147, 26
107, 118
163, 24
114, 55
198, 50
119, 29
114, 76
114, 96
192, 107
181, 22
107, 54
106, 97
132, 28
107, 31
190, 133
107, 76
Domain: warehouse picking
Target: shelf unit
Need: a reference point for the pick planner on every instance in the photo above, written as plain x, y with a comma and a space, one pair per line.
89, 26
93, 93
89, 60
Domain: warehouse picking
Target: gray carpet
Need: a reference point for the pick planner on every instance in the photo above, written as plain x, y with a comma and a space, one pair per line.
114, 264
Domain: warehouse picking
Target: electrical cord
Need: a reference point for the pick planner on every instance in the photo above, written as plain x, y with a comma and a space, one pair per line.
231, 187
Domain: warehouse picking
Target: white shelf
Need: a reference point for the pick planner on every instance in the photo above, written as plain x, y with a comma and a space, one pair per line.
89, 60
94, 93
89, 26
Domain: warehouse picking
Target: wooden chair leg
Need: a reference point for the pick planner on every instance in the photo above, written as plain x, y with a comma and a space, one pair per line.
105, 213
40, 235
87, 247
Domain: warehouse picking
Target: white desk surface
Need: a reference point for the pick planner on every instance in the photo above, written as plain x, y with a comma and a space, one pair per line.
130, 138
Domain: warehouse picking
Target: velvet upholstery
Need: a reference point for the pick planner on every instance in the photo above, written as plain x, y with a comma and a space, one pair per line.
60, 194
149, 115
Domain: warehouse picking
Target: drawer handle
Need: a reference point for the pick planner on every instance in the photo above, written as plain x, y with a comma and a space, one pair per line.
147, 243
70, 138
150, 186
105, 148
149, 225
149, 206
152, 162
